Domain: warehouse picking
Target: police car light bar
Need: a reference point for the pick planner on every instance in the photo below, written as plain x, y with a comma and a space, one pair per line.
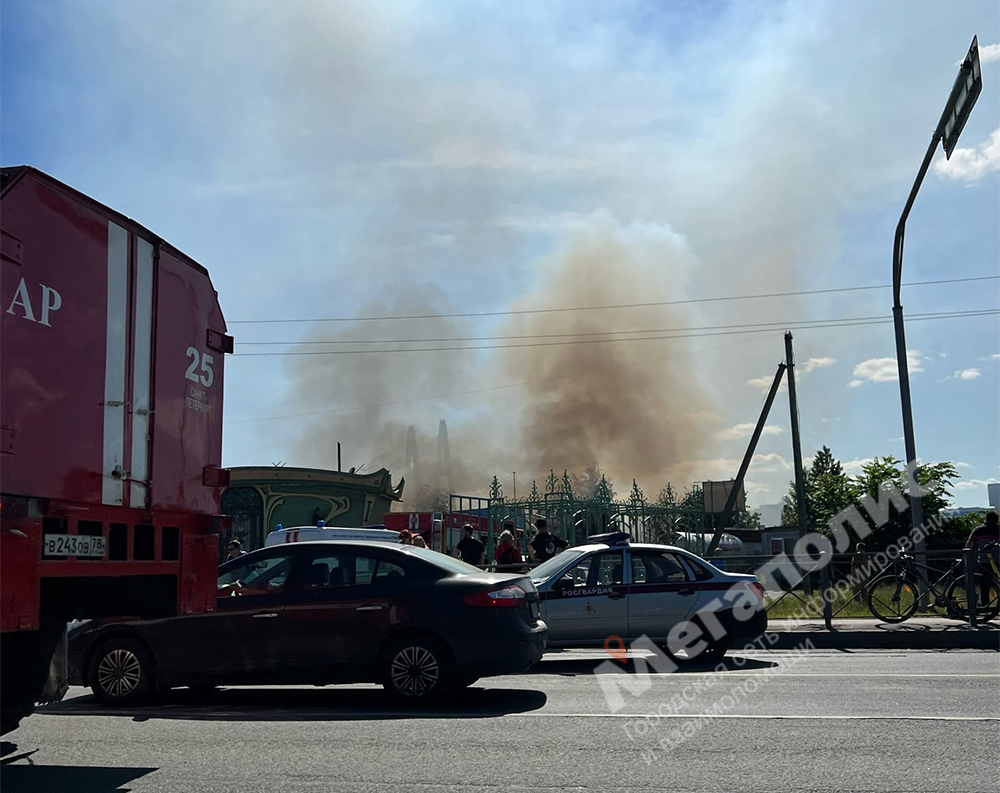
612, 538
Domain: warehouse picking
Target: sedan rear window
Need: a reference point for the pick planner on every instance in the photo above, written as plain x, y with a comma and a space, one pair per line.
449, 563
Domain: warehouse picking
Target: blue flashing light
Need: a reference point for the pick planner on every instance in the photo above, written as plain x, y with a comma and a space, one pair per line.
320, 524
278, 527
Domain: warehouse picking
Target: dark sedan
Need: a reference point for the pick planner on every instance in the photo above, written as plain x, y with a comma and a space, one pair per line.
416, 621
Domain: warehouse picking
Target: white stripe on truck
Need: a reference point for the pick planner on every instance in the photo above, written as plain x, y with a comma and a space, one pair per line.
114, 365
141, 370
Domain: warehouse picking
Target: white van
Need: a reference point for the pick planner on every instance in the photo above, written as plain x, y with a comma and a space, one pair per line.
321, 532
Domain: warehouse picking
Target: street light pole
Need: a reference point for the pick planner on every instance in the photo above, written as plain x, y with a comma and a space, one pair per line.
964, 93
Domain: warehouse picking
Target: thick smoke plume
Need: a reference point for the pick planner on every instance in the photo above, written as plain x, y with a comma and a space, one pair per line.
636, 409
633, 408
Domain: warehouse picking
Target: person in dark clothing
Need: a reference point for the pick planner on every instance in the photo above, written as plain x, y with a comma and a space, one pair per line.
983, 537
471, 550
234, 550
986, 533
545, 545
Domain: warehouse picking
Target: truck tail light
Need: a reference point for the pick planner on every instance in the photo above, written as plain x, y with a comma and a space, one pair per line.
507, 597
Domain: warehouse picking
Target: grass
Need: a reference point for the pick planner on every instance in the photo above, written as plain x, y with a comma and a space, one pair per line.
844, 606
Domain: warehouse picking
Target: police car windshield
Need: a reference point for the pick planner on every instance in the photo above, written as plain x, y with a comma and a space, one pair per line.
546, 569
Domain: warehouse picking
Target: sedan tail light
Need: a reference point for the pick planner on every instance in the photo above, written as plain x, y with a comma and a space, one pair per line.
507, 597
758, 590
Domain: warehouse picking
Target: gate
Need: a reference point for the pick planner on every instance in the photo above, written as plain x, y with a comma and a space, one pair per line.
574, 518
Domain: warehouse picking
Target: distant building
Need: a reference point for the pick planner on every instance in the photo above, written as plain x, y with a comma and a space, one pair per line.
259, 497
993, 488
770, 514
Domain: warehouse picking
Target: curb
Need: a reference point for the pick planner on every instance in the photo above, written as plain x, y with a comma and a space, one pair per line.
889, 637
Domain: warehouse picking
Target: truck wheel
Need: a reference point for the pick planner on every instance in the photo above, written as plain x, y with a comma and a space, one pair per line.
417, 670
121, 672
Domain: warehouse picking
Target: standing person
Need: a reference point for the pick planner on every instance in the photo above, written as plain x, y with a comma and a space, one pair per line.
419, 541
234, 550
981, 539
507, 551
545, 545
470, 550
405, 538
986, 533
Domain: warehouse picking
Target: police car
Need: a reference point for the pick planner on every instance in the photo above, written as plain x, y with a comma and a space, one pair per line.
321, 531
614, 589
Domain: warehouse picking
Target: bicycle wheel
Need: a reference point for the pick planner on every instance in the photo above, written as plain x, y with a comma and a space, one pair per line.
892, 598
986, 610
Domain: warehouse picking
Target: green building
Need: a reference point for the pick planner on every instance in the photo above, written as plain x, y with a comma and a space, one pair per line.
259, 498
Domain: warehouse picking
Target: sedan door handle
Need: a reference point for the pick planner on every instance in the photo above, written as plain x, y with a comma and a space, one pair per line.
369, 608
616, 596
686, 592
264, 615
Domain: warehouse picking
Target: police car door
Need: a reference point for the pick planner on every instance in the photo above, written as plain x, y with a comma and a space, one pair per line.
661, 594
588, 604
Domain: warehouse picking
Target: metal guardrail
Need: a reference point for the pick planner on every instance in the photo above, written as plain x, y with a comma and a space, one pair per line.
860, 569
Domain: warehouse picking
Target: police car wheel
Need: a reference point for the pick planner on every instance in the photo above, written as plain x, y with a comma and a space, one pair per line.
121, 672
416, 671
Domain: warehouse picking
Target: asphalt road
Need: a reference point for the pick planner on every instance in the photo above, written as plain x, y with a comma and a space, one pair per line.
771, 722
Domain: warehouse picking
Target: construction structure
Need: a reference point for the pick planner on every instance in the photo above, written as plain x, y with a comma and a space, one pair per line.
260, 497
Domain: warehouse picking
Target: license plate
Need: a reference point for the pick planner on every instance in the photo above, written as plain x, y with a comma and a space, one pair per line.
74, 545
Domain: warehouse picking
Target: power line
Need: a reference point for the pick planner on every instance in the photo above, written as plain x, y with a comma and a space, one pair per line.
691, 333
619, 306
762, 325
487, 389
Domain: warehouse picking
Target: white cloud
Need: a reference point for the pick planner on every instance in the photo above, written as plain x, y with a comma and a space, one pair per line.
764, 383
971, 165
853, 467
989, 53
962, 465
883, 370
724, 468
816, 363
967, 374
974, 484
745, 431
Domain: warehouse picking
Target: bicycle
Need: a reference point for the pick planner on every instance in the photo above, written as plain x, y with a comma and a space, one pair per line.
894, 596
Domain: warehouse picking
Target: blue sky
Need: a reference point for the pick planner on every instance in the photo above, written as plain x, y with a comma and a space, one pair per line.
336, 160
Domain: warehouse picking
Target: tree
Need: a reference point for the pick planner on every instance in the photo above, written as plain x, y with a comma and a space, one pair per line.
935, 479
828, 490
746, 520
585, 485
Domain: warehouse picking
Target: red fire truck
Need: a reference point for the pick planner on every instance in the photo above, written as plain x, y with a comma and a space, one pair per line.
111, 373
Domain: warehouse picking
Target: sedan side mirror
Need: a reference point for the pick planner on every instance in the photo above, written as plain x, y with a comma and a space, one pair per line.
564, 583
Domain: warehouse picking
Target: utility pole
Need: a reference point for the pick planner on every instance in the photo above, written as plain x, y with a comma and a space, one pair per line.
747, 457
800, 479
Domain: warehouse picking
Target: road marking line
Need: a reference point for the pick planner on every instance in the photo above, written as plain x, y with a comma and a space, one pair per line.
212, 715
775, 675
747, 716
